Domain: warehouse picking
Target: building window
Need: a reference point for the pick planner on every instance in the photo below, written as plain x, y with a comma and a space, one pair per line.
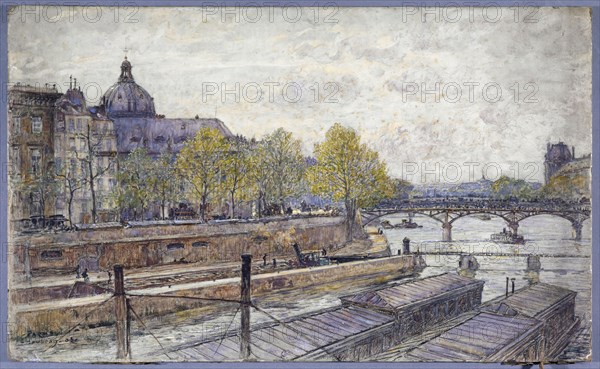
16, 124
36, 158
72, 143
200, 244
36, 125
71, 124
16, 159
84, 207
111, 184
51, 254
79, 124
82, 145
174, 246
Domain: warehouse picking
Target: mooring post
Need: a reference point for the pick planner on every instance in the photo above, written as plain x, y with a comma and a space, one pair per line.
513, 284
507, 286
122, 326
245, 307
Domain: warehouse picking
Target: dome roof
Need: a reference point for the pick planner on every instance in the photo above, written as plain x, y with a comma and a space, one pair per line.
126, 98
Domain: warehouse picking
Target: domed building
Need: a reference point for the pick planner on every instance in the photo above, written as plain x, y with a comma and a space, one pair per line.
126, 98
136, 123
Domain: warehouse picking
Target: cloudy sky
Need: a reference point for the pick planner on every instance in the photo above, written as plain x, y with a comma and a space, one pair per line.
506, 83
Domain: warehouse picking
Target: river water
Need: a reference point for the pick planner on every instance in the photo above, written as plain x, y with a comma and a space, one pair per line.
565, 262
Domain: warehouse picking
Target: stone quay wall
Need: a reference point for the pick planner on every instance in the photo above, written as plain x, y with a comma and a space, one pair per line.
134, 247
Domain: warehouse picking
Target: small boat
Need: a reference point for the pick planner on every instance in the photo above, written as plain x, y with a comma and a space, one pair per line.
507, 237
483, 217
406, 223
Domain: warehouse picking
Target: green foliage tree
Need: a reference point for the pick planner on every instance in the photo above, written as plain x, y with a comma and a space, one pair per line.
134, 176
237, 166
200, 164
566, 188
260, 176
506, 187
163, 181
348, 170
284, 159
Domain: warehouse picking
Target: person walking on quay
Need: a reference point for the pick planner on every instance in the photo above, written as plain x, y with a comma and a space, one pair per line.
77, 271
86, 277
264, 260
109, 276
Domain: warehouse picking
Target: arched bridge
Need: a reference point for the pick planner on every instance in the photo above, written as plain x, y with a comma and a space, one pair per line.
448, 211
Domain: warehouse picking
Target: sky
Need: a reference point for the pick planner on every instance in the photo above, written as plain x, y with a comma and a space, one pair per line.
442, 94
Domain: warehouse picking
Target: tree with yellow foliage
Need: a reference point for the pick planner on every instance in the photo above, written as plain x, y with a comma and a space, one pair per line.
200, 163
348, 170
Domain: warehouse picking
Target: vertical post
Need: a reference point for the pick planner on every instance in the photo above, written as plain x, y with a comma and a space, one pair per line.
245, 307
121, 314
507, 286
447, 229
513, 284
577, 230
406, 246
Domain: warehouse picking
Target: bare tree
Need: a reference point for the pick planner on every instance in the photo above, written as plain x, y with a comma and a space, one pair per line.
92, 158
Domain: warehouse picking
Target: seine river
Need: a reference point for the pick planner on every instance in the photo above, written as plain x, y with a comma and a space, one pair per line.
565, 262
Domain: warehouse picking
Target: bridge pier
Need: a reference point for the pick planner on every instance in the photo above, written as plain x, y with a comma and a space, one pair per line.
577, 229
514, 227
446, 232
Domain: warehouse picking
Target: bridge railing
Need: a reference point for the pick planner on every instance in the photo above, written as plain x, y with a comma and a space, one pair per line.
471, 204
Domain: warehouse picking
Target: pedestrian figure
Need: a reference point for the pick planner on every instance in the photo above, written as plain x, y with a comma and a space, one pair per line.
86, 277
77, 271
109, 276
274, 263
324, 252
265, 260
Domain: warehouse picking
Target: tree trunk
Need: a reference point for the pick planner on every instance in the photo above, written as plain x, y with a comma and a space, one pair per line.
203, 209
71, 210
93, 192
232, 204
350, 218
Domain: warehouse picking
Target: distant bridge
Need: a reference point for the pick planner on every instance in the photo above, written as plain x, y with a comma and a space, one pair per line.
447, 211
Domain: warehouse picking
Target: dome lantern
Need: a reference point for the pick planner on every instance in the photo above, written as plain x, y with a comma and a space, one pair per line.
127, 99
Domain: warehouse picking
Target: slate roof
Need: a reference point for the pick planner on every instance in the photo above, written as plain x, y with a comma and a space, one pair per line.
158, 134
474, 340
534, 300
392, 298
297, 337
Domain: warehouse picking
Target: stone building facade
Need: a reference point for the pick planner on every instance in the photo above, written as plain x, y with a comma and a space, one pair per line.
54, 132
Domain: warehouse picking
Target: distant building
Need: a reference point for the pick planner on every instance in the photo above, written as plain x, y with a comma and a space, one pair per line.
131, 108
560, 160
52, 132
31, 147
84, 147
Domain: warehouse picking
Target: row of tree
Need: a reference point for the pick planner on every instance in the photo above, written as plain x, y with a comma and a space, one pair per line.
212, 168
